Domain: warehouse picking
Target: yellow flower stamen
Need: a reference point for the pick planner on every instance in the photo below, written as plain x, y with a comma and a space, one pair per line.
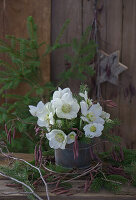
91, 117
93, 128
66, 108
59, 137
72, 136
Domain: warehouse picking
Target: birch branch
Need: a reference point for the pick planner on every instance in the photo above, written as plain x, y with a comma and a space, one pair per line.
22, 183
38, 169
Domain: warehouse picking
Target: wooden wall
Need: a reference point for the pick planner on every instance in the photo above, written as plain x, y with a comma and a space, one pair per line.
117, 31
13, 15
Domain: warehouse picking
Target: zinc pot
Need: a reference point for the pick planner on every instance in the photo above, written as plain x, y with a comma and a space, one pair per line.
65, 157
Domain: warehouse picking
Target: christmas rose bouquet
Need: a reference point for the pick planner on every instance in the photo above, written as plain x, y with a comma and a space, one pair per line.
67, 118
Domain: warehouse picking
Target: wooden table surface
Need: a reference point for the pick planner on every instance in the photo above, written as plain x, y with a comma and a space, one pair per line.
12, 193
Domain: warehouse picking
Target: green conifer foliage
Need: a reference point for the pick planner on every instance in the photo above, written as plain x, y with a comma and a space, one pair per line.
23, 67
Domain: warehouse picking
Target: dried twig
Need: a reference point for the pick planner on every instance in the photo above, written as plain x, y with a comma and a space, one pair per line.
55, 172
22, 183
84, 173
38, 169
108, 180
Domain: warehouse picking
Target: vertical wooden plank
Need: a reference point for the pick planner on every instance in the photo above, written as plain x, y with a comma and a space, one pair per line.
88, 17
2, 32
110, 29
111, 25
128, 79
88, 13
62, 10
15, 23
1, 18
2, 28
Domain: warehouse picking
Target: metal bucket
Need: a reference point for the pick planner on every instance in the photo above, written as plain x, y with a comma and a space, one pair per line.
65, 157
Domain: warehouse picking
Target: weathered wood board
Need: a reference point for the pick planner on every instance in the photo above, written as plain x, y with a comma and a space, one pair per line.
61, 11
12, 193
117, 31
14, 22
127, 95
110, 33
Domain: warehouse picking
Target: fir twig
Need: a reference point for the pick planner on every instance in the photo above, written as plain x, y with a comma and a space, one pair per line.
22, 183
38, 169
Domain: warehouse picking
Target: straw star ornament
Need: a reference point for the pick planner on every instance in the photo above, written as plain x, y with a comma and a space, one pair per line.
110, 68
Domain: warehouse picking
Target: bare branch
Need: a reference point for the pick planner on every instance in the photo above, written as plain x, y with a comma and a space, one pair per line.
84, 173
61, 173
108, 180
14, 158
22, 183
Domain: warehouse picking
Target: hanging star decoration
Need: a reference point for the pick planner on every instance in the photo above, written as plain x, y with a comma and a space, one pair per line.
110, 68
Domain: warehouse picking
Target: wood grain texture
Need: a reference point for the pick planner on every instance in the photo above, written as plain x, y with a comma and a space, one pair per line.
128, 91
88, 14
1, 18
2, 33
8, 193
15, 23
62, 10
12, 193
87, 20
117, 31
110, 36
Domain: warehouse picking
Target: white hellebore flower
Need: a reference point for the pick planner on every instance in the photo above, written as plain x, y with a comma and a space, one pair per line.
59, 93
71, 137
105, 116
93, 114
87, 100
66, 107
93, 130
57, 139
35, 110
45, 118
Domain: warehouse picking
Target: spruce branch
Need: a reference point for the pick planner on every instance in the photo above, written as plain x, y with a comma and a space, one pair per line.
22, 183
38, 169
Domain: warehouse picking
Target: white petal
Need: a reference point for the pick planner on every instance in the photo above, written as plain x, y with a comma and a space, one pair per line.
53, 145
84, 107
82, 95
71, 137
33, 110
51, 119
55, 142
62, 146
67, 97
99, 120
40, 105
105, 115
97, 133
58, 94
42, 123
66, 90
97, 109
56, 102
